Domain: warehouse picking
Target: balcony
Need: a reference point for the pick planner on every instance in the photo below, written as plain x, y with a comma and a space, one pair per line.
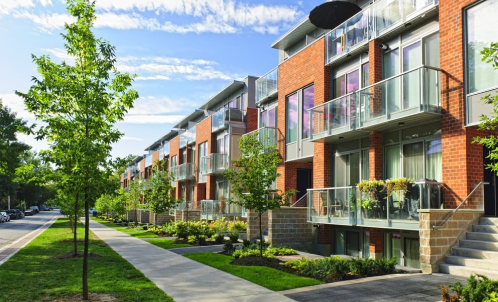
214, 163
268, 136
221, 119
164, 151
187, 137
182, 206
381, 18
183, 172
214, 209
148, 160
267, 85
412, 96
346, 206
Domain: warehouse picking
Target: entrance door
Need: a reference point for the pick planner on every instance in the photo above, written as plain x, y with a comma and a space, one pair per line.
303, 182
490, 196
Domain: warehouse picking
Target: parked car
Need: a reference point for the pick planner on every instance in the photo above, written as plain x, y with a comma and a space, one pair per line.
29, 212
35, 209
14, 214
2, 218
6, 216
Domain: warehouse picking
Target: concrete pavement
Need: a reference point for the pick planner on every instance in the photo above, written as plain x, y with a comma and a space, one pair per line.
179, 277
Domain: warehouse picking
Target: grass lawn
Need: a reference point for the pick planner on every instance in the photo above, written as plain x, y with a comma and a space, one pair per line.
32, 274
167, 243
130, 231
265, 276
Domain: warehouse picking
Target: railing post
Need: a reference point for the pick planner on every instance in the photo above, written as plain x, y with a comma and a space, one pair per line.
421, 78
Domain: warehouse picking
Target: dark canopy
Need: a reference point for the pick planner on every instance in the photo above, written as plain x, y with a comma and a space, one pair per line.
329, 15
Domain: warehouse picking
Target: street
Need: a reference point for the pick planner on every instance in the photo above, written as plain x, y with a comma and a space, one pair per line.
15, 229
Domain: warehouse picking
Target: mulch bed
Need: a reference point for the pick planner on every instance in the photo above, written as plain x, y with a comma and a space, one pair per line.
184, 241
92, 297
71, 255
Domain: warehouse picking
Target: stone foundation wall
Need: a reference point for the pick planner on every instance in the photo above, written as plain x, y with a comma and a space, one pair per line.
289, 226
181, 215
132, 215
435, 245
253, 225
144, 216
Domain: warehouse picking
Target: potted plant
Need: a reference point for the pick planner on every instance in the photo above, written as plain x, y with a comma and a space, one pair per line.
370, 202
400, 185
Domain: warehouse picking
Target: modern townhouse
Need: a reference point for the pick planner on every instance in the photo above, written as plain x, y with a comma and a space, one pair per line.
394, 91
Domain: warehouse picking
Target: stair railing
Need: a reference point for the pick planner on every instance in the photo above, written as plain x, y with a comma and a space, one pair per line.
435, 227
305, 196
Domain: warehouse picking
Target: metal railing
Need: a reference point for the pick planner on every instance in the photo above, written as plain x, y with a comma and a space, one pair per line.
148, 160
164, 151
267, 85
221, 119
301, 202
374, 21
408, 93
268, 136
473, 201
214, 209
213, 163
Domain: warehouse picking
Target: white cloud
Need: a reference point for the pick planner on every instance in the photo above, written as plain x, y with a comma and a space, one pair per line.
152, 119
7, 6
153, 105
156, 77
16, 104
46, 22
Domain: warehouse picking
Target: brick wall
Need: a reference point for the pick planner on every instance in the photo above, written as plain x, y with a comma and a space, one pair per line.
155, 158
203, 134
253, 225
289, 226
174, 149
375, 147
376, 245
161, 218
434, 245
251, 119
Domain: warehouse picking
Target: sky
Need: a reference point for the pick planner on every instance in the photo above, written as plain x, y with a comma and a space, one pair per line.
182, 51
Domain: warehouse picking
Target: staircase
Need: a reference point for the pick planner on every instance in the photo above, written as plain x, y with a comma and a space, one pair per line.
477, 254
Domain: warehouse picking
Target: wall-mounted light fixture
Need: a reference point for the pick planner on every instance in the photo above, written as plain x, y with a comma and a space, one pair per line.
383, 46
316, 226
401, 124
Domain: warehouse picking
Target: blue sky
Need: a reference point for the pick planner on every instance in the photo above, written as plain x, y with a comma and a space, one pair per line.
183, 52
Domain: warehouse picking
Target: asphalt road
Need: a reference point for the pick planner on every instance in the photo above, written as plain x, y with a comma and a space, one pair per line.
15, 229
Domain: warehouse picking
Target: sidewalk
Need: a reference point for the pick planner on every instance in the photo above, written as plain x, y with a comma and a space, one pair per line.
179, 277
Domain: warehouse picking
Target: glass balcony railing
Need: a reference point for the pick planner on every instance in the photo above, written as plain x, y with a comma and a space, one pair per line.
221, 119
214, 163
372, 22
266, 135
183, 172
164, 150
348, 206
412, 92
214, 209
148, 160
187, 136
267, 85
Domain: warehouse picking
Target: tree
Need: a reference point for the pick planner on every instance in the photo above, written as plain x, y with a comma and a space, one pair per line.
80, 105
135, 195
103, 203
490, 122
255, 171
160, 194
118, 203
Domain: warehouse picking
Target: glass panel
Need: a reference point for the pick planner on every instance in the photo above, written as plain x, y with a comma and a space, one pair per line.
392, 160
227, 144
339, 242
412, 58
354, 169
364, 75
353, 244
264, 119
308, 102
431, 50
433, 160
341, 166
421, 131
353, 81
396, 247
481, 31
413, 160
339, 86
412, 252
366, 244
365, 165
272, 117
292, 118
390, 68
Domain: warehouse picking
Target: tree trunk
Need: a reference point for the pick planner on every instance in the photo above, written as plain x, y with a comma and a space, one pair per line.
76, 225
85, 253
155, 220
260, 236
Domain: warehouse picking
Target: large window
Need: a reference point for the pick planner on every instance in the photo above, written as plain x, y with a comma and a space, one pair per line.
203, 151
292, 118
223, 144
268, 117
308, 103
297, 115
481, 31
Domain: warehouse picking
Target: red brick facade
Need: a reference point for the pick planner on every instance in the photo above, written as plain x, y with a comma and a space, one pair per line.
251, 119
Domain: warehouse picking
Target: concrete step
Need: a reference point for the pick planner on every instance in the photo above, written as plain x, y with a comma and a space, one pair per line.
465, 272
479, 245
474, 253
488, 221
482, 236
471, 262
485, 228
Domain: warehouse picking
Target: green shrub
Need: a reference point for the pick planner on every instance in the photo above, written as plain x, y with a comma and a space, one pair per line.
201, 239
246, 243
385, 266
269, 252
234, 237
229, 248
479, 288
192, 239
219, 238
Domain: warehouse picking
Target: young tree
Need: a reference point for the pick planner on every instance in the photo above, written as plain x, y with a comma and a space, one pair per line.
160, 194
135, 196
255, 171
490, 122
80, 105
119, 203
